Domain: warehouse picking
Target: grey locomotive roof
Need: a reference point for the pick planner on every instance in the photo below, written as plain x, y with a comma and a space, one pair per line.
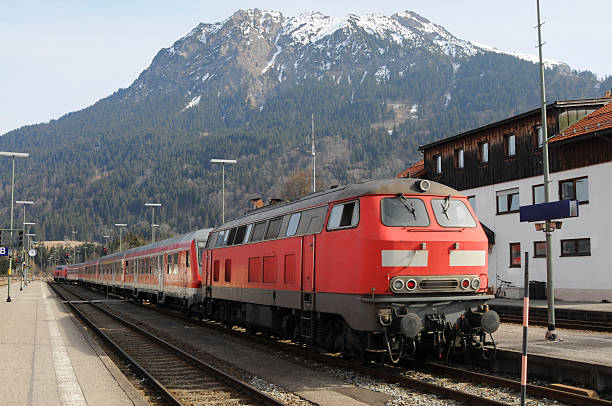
368, 187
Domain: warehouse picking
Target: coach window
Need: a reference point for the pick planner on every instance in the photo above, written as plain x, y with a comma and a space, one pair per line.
259, 230
274, 228
175, 262
344, 215
294, 220
403, 212
187, 259
169, 263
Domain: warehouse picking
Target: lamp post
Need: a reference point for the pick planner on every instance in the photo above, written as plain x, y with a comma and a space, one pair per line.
29, 261
106, 237
120, 225
74, 246
223, 162
153, 225
10, 269
26, 257
25, 203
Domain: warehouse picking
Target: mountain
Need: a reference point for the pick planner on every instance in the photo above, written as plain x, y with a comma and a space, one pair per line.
245, 88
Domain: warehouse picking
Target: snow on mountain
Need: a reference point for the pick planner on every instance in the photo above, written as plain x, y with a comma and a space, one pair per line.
548, 62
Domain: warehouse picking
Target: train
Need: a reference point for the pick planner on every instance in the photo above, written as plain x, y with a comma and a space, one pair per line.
59, 273
392, 267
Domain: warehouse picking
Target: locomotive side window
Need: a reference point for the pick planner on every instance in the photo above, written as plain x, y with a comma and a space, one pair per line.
247, 234
311, 221
294, 220
259, 230
274, 228
240, 233
220, 236
452, 213
232, 236
403, 212
344, 215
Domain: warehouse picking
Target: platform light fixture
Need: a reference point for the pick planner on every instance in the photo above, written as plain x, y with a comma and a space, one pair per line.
153, 225
223, 162
10, 268
25, 203
121, 226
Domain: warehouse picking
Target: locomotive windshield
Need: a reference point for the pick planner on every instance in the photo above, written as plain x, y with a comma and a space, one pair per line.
452, 213
403, 212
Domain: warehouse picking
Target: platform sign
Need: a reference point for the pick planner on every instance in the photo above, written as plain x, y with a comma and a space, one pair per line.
549, 211
4, 251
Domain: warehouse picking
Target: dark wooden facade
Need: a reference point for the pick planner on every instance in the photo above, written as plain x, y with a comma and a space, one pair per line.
527, 160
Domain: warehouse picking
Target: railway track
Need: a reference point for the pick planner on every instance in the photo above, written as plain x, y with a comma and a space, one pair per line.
179, 377
393, 374
589, 325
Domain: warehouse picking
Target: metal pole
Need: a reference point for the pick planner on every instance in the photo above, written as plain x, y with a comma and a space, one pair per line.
223, 194
153, 224
314, 156
10, 270
550, 334
73, 247
24, 218
525, 327
120, 239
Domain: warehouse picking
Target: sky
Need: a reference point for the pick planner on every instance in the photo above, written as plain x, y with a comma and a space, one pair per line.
63, 55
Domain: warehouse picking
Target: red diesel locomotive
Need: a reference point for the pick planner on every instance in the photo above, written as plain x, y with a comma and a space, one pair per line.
394, 265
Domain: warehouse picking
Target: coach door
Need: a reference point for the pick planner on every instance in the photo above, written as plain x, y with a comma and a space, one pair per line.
160, 272
308, 250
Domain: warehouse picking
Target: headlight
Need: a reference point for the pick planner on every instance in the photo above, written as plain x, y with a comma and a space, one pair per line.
475, 283
411, 284
398, 284
465, 283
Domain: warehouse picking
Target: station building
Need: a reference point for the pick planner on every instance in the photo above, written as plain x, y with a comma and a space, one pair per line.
499, 167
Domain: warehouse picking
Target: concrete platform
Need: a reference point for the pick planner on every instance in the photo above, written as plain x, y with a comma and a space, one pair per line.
48, 359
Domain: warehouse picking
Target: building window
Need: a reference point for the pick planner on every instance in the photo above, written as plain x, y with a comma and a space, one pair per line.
459, 162
578, 247
538, 194
472, 200
510, 145
483, 152
515, 255
574, 189
539, 249
438, 164
508, 201
539, 136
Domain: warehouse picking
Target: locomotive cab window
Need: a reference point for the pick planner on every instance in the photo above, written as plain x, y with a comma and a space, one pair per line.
259, 230
274, 228
240, 234
294, 220
400, 211
344, 215
452, 213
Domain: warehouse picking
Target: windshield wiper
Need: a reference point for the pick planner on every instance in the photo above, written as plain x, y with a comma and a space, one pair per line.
445, 206
407, 204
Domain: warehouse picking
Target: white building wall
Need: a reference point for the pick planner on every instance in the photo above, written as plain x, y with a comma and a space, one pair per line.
575, 278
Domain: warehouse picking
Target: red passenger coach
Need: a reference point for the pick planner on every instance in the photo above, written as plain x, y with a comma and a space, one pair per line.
165, 271
397, 265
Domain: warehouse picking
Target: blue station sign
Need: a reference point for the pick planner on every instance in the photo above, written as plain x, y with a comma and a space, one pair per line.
4, 251
549, 211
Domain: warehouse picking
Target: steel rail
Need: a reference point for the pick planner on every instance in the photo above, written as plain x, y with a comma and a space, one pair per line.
561, 323
239, 385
